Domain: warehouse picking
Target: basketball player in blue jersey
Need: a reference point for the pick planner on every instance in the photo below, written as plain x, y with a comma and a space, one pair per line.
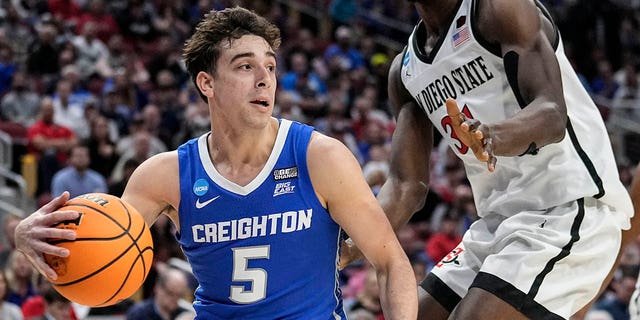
492, 78
259, 202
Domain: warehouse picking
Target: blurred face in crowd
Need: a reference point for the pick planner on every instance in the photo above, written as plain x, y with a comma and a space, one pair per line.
299, 63
170, 290
64, 90
21, 266
60, 310
79, 158
9, 228
46, 110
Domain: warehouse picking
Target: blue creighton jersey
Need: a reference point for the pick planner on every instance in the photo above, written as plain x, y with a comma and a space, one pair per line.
267, 250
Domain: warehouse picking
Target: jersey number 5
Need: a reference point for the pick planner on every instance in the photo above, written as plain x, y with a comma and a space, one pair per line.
241, 273
447, 125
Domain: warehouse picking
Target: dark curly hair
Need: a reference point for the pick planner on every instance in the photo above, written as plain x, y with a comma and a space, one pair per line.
202, 50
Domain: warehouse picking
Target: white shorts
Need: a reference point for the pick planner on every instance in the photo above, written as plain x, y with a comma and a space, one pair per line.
547, 264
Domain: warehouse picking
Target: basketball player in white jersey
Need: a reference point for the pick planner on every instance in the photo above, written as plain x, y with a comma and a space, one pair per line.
492, 78
232, 61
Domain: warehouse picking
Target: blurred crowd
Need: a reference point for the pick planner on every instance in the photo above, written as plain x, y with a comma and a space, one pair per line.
89, 89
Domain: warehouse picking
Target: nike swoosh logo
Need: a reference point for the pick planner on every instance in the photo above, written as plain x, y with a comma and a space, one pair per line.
201, 205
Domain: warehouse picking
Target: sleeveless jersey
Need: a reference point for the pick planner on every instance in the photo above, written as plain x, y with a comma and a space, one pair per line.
267, 250
464, 67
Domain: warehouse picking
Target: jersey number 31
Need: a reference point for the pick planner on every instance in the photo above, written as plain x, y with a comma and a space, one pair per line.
447, 125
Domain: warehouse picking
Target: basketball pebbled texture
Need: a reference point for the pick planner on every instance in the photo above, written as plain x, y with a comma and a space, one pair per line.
111, 255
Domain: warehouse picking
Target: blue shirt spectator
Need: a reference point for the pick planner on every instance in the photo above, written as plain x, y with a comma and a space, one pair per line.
342, 53
77, 178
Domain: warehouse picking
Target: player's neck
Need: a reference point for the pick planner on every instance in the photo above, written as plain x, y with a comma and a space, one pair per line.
236, 147
436, 14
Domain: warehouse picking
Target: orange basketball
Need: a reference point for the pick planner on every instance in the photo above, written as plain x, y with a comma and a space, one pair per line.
111, 255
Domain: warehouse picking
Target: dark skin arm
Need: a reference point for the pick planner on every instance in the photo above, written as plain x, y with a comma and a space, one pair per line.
405, 190
518, 27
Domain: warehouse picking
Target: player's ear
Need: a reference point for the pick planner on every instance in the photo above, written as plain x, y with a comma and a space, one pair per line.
204, 81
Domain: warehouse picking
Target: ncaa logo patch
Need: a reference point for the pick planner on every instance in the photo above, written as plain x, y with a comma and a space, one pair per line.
201, 187
451, 258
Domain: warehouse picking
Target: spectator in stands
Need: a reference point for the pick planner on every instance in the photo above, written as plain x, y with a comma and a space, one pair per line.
153, 121
98, 14
50, 143
17, 31
67, 113
77, 178
171, 286
43, 59
171, 17
375, 134
116, 188
20, 105
9, 223
56, 307
35, 307
617, 304
65, 11
445, 239
71, 73
604, 84
126, 143
196, 118
91, 50
166, 57
8, 310
102, 149
136, 23
629, 89
8, 67
287, 107
368, 299
363, 113
164, 122
343, 11
140, 151
342, 55
20, 275
308, 88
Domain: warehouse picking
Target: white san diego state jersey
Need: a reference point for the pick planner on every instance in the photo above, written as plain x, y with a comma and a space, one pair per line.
463, 67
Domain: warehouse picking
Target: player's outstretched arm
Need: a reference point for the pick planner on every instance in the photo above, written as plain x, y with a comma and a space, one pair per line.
154, 187
33, 231
405, 190
340, 185
526, 43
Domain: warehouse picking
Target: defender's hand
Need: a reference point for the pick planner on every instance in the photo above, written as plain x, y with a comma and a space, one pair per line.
349, 253
33, 232
470, 132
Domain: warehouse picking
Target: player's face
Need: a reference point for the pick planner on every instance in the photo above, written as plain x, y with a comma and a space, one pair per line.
244, 85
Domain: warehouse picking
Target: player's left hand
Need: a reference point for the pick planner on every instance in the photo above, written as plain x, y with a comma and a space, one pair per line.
349, 253
473, 134
33, 232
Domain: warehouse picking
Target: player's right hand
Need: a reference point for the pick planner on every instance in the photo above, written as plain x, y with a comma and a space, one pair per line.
473, 134
33, 232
